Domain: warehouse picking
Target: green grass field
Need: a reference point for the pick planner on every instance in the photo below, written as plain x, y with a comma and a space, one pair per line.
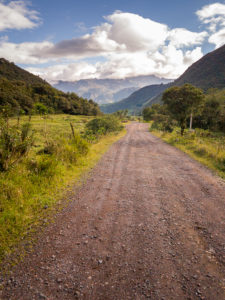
204, 146
31, 189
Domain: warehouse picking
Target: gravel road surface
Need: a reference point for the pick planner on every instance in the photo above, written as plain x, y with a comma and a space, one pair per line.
148, 223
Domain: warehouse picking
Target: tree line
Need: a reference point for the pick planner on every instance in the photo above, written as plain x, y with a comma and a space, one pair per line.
188, 106
23, 97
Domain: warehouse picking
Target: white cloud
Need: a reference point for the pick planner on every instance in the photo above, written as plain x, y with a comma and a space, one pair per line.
214, 16
218, 38
124, 32
208, 12
136, 32
16, 15
130, 45
182, 37
68, 72
169, 63
24, 53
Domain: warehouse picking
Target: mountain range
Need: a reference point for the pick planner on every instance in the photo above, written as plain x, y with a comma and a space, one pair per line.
108, 90
208, 72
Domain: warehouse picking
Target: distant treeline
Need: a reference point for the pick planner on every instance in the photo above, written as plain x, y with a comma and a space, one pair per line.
210, 114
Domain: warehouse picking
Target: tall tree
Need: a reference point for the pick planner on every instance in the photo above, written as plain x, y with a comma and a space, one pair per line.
183, 102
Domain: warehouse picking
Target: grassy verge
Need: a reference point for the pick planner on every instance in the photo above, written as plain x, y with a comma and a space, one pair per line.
204, 146
31, 189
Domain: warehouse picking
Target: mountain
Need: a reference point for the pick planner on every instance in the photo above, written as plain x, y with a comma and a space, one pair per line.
135, 101
108, 90
124, 93
208, 72
21, 90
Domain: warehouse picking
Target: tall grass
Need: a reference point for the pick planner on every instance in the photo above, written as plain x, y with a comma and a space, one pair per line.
30, 189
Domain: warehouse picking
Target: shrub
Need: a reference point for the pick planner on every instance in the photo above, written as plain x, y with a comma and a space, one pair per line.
80, 144
103, 125
42, 166
66, 150
163, 123
15, 143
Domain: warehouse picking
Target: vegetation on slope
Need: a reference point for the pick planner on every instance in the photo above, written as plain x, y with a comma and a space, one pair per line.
12, 72
135, 101
21, 90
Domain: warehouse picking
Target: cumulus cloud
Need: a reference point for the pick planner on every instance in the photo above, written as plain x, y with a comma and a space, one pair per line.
136, 32
16, 15
86, 46
24, 53
208, 12
169, 63
214, 16
130, 44
218, 38
125, 33
68, 72
180, 37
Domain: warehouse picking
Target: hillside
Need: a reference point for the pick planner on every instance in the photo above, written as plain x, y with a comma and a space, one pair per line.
108, 90
12, 72
21, 90
208, 72
135, 101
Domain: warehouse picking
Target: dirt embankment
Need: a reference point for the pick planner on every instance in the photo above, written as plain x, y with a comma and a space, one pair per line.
149, 223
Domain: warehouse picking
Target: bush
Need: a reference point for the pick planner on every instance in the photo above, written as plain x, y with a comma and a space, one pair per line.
103, 125
15, 143
42, 166
66, 150
163, 123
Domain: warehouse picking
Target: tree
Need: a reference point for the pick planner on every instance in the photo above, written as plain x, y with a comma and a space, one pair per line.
40, 108
148, 113
182, 102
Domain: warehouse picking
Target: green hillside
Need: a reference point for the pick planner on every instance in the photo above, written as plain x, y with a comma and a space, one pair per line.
208, 72
12, 72
21, 90
135, 101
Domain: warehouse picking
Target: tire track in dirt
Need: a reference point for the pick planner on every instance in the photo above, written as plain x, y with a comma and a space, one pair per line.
147, 224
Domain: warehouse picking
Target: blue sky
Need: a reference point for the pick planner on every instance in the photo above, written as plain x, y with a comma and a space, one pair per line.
72, 40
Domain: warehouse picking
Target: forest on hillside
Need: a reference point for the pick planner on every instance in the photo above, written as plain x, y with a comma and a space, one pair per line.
21, 92
21, 97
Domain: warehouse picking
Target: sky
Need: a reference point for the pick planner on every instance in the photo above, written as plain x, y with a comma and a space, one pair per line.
71, 40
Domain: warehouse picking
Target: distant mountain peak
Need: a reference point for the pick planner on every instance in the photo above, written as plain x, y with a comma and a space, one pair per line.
108, 90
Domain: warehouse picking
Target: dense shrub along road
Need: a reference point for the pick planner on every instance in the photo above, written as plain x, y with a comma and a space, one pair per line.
147, 224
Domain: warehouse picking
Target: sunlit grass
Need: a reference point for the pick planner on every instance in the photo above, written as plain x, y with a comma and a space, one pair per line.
27, 196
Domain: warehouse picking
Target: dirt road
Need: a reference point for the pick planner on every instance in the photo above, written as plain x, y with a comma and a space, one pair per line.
149, 223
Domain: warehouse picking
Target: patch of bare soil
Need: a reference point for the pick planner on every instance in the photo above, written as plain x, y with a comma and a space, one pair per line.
149, 223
